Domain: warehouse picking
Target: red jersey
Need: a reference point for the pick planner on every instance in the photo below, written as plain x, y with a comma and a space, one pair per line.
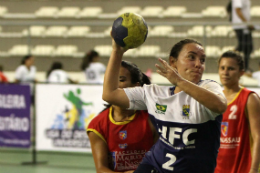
127, 141
235, 151
3, 79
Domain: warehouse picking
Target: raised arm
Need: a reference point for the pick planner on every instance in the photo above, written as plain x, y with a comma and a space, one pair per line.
253, 112
100, 153
111, 93
214, 102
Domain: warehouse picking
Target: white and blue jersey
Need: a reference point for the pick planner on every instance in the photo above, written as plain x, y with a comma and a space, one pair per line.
189, 132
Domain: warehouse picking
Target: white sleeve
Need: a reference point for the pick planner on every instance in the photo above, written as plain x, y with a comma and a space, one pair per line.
255, 75
136, 96
19, 73
237, 3
215, 88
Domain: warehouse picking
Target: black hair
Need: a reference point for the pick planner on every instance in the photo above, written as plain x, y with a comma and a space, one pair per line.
234, 55
176, 49
55, 65
136, 73
136, 76
1, 68
88, 58
26, 57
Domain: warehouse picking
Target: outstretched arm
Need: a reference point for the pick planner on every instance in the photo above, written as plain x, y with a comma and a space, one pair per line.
111, 93
214, 102
253, 112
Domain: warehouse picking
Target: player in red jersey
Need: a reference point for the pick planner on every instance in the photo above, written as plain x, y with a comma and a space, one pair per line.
120, 137
239, 150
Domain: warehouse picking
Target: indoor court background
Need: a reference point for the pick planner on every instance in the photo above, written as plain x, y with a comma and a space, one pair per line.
19, 36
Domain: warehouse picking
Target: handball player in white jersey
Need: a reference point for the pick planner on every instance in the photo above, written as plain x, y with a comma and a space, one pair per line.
187, 114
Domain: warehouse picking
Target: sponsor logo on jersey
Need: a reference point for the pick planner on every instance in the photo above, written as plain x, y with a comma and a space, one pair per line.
122, 146
161, 109
224, 128
186, 111
123, 134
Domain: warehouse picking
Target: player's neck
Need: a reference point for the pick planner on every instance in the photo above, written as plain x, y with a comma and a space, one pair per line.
231, 90
120, 114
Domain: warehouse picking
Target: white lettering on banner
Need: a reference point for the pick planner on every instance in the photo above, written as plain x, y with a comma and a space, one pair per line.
173, 135
12, 101
230, 140
13, 123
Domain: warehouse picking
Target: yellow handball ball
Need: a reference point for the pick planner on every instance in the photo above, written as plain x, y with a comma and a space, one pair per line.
129, 30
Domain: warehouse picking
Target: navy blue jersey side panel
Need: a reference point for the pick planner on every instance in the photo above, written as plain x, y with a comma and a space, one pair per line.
186, 148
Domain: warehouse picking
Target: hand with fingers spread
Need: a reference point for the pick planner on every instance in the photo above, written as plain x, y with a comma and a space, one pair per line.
168, 72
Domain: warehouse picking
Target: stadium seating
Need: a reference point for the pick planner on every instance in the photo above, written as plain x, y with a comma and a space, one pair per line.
104, 50
35, 31
3, 11
90, 12
19, 50
132, 9
68, 12
43, 50
255, 11
65, 50
56, 31
214, 11
152, 11
78, 31
161, 30
47, 12
174, 11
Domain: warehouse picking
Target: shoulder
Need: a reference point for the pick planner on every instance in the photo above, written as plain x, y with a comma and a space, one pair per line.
102, 115
208, 83
21, 68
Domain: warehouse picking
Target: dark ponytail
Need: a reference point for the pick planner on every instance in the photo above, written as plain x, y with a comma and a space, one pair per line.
88, 58
136, 74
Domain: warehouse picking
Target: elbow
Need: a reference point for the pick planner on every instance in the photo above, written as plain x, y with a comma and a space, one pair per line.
106, 97
221, 108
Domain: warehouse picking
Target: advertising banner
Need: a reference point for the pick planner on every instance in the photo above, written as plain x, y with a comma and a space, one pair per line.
15, 123
63, 113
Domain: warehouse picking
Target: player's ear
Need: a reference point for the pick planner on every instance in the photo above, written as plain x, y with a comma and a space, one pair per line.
137, 84
172, 61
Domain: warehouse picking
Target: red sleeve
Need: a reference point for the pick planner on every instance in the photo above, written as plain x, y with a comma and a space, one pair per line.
96, 125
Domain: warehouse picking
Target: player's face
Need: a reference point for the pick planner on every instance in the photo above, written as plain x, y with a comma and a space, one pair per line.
29, 62
191, 62
124, 78
229, 72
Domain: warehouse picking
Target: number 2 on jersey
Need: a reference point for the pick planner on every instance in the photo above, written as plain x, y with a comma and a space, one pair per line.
233, 110
167, 165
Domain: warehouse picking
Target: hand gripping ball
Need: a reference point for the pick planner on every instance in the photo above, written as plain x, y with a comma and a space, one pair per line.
129, 30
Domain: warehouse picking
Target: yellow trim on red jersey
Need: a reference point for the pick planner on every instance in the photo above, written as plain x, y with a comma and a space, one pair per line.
97, 133
236, 96
119, 123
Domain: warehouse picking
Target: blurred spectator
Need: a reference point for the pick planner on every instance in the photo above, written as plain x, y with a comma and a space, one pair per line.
26, 72
56, 74
255, 75
3, 78
241, 19
94, 70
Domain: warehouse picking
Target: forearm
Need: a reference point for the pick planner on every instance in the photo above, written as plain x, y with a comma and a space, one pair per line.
256, 153
112, 74
207, 98
240, 14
